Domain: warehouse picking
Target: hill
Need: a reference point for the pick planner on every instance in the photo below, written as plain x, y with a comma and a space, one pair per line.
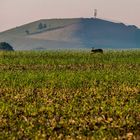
72, 33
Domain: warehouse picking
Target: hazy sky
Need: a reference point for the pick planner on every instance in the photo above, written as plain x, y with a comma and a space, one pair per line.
17, 12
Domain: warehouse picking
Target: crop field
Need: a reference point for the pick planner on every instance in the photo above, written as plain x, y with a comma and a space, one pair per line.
69, 95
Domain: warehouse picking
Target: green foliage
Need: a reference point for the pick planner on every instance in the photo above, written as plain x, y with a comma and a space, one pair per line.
42, 26
27, 32
69, 95
5, 46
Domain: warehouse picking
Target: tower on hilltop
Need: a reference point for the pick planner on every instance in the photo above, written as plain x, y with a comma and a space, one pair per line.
95, 13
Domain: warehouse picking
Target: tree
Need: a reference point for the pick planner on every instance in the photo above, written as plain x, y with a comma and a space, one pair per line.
27, 32
45, 26
6, 47
40, 26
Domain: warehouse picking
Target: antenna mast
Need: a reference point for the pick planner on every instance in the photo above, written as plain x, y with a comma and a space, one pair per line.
95, 13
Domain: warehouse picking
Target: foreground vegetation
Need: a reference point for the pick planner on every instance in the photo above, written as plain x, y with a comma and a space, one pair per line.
69, 95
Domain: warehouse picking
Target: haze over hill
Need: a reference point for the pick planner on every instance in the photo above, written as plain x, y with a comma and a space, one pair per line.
72, 33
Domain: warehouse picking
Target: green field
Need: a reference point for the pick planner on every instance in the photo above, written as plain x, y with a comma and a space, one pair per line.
69, 95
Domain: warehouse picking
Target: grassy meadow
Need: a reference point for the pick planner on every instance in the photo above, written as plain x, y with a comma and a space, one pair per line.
69, 95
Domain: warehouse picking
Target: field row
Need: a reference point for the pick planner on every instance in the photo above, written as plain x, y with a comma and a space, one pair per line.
70, 95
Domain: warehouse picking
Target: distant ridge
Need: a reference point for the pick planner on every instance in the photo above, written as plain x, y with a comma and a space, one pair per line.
72, 33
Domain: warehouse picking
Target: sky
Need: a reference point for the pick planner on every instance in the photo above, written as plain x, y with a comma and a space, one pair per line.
18, 12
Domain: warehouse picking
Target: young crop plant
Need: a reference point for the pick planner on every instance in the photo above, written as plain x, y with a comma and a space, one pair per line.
70, 95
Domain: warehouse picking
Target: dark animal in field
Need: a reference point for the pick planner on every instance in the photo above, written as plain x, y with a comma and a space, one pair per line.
97, 50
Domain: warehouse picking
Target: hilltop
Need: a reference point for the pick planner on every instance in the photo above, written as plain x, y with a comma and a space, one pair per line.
72, 33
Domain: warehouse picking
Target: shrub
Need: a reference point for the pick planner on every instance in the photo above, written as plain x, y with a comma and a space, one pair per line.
6, 47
